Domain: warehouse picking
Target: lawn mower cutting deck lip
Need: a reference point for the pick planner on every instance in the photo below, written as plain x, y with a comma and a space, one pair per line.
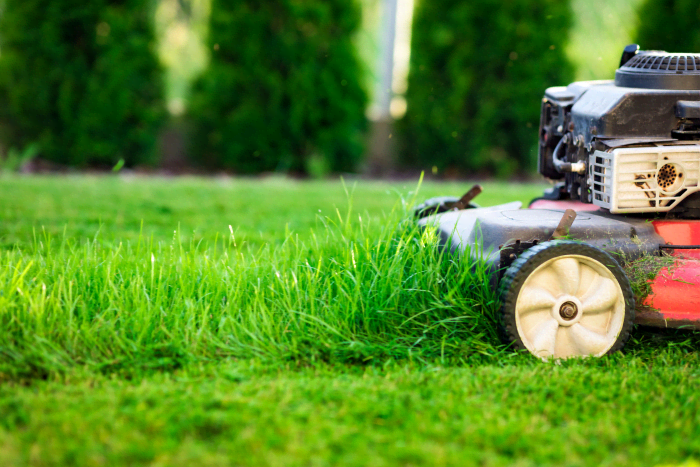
617, 241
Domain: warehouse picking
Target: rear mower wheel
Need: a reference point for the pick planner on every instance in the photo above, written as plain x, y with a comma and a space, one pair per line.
438, 205
563, 299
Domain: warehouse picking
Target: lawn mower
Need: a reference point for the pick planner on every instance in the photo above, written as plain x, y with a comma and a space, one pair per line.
616, 240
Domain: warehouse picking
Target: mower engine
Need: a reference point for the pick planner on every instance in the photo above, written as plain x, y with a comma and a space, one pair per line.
631, 145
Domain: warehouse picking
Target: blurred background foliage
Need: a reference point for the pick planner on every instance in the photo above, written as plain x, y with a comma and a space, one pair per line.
81, 80
181, 28
478, 71
285, 85
283, 90
672, 25
601, 28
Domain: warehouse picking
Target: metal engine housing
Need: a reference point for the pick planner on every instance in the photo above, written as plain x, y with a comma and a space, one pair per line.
629, 145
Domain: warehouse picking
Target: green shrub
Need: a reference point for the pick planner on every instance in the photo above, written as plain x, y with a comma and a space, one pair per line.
671, 25
283, 87
80, 79
478, 73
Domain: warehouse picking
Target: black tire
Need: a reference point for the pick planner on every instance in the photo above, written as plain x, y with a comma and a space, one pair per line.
518, 272
437, 205
534, 200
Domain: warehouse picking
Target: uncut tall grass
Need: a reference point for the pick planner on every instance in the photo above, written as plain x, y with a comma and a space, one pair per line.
359, 290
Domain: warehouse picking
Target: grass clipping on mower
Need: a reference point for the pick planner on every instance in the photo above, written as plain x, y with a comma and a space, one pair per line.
642, 272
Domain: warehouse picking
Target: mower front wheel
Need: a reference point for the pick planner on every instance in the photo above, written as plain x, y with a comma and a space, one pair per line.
563, 299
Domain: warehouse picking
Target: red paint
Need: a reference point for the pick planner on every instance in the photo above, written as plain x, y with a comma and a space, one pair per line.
680, 232
676, 291
563, 205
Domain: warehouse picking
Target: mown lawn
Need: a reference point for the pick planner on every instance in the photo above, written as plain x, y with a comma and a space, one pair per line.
260, 210
136, 329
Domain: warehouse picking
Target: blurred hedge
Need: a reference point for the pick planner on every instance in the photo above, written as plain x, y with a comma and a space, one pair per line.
80, 79
478, 73
283, 90
671, 25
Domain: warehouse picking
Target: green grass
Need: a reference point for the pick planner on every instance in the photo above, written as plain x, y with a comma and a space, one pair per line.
346, 289
621, 412
260, 211
136, 329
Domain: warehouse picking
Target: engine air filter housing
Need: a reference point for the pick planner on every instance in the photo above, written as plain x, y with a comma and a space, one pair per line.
644, 179
660, 70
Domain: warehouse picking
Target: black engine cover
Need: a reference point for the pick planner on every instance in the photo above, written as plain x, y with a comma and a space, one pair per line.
660, 70
654, 99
